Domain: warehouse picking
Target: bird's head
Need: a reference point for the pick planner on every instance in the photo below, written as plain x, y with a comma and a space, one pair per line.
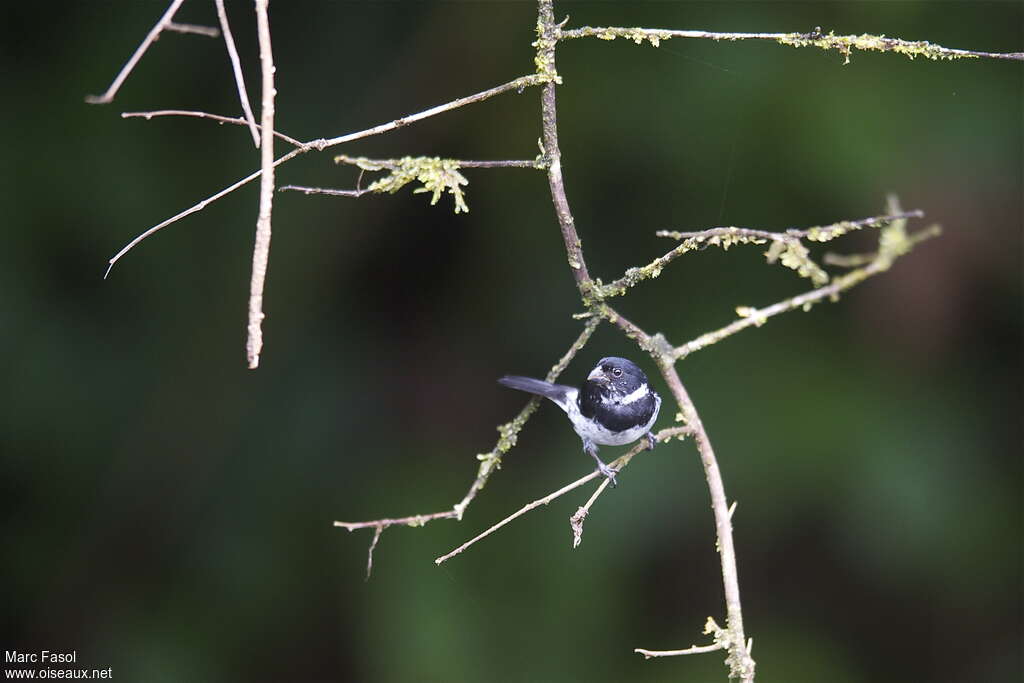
617, 376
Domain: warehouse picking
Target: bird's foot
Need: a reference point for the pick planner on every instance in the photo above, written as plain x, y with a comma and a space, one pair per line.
651, 440
591, 448
609, 472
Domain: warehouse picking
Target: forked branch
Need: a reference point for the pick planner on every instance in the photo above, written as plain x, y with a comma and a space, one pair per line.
165, 23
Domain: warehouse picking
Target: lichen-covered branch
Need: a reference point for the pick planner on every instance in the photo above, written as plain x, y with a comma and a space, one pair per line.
434, 174
785, 244
711, 628
368, 164
845, 44
895, 246
489, 462
741, 664
619, 463
547, 38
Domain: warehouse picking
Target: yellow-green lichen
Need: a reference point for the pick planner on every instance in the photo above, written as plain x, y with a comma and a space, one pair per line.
436, 175
544, 59
846, 44
825, 233
793, 254
637, 35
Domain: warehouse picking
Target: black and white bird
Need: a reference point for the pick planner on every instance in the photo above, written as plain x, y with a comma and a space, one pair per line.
614, 407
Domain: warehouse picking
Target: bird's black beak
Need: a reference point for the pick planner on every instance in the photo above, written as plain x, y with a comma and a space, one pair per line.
597, 375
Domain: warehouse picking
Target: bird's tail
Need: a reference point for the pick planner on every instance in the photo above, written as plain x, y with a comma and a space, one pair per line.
556, 392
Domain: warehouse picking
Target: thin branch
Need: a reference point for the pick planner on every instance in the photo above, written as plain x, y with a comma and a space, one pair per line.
369, 554
818, 233
366, 164
619, 463
204, 115
522, 511
321, 143
411, 520
236, 67
547, 40
741, 664
830, 41
393, 164
261, 246
501, 163
519, 84
153, 34
326, 190
197, 207
489, 462
758, 317
692, 650
195, 29
728, 236
848, 260
576, 521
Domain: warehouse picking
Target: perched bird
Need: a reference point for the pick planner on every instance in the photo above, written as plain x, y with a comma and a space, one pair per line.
614, 407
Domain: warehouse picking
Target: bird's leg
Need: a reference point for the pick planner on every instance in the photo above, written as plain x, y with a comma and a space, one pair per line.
651, 440
591, 448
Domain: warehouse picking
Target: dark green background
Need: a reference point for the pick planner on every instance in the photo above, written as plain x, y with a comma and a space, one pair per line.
167, 512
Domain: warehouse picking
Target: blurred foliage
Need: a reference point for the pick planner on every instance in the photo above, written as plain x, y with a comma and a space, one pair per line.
168, 513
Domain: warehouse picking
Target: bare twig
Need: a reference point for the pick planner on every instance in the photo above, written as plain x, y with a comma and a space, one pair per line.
411, 520
195, 29
236, 67
153, 34
369, 554
204, 115
518, 85
522, 511
692, 650
321, 143
829, 41
578, 517
197, 207
325, 190
261, 247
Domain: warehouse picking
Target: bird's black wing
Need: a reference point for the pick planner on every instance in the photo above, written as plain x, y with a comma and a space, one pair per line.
559, 393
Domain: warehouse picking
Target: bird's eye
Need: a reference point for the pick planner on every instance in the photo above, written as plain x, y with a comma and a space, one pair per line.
617, 372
